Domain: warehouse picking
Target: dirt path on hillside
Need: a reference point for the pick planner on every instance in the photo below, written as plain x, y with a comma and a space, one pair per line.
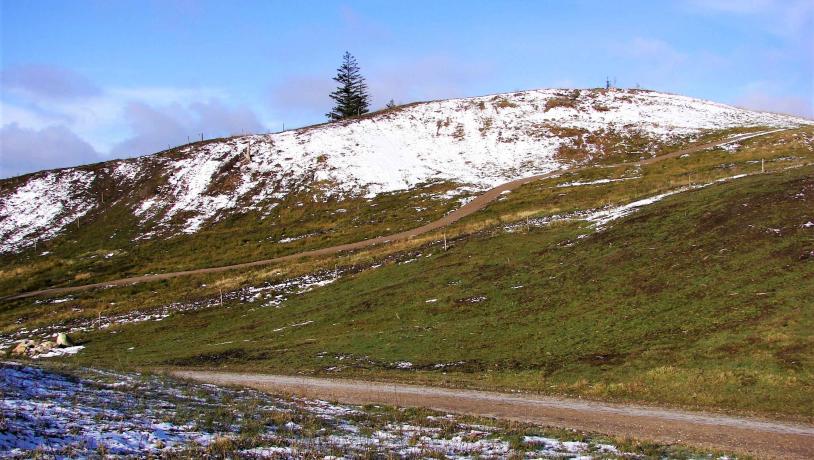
480, 202
761, 438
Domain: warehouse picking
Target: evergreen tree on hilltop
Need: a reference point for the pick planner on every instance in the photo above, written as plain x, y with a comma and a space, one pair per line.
350, 97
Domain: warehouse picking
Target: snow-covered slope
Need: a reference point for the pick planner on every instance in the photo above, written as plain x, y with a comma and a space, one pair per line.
477, 142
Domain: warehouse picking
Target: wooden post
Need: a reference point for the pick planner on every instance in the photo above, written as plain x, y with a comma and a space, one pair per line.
762, 165
445, 241
247, 154
201, 137
221, 296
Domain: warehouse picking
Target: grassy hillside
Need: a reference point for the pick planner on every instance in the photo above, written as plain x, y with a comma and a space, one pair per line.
85, 254
699, 300
80, 259
702, 299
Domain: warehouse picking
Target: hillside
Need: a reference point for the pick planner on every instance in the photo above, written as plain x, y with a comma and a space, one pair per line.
471, 143
680, 282
699, 300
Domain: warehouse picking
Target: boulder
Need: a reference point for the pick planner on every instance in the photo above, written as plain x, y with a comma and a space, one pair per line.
63, 340
43, 347
23, 347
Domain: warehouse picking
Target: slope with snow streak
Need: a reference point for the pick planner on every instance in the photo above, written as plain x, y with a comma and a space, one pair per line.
479, 202
40, 208
479, 142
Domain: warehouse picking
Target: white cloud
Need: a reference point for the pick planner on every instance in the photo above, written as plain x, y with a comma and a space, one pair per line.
155, 128
57, 106
25, 150
765, 96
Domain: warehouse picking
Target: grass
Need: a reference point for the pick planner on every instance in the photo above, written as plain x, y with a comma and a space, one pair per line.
243, 419
101, 246
545, 198
87, 254
695, 301
701, 300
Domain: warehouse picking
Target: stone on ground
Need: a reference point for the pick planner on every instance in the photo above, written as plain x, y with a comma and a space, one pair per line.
23, 347
63, 340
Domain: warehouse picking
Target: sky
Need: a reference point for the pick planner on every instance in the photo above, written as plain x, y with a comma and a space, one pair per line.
83, 81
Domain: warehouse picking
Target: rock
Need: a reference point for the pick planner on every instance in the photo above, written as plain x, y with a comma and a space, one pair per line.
63, 340
43, 347
23, 347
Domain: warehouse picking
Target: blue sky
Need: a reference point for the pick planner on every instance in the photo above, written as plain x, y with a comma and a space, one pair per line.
86, 81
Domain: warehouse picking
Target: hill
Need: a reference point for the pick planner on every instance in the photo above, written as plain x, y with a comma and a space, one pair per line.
683, 281
263, 196
475, 142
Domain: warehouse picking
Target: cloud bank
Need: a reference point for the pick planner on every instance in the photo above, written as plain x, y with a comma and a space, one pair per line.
26, 150
55, 117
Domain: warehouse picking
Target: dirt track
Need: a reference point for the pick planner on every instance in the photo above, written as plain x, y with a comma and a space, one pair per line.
473, 206
761, 438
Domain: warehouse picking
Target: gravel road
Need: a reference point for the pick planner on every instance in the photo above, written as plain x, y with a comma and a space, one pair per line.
757, 437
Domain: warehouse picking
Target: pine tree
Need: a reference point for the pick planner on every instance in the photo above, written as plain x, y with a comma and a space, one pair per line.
350, 97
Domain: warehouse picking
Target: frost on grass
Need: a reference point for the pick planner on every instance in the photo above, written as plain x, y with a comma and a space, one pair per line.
268, 294
601, 217
89, 413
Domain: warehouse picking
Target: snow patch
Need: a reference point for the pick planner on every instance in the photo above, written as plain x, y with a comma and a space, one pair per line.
58, 352
42, 207
133, 416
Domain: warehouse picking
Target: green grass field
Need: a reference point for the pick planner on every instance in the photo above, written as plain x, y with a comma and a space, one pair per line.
700, 300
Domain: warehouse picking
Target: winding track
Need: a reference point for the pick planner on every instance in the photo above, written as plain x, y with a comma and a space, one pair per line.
752, 436
473, 206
